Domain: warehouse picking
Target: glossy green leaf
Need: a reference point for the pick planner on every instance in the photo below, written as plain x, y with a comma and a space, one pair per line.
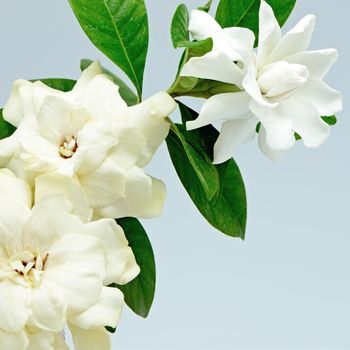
6, 129
125, 92
118, 28
139, 293
245, 13
330, 120
206, 7
179, 26
227, 210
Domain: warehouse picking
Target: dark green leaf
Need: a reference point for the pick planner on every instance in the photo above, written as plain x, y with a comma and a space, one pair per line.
111, 329
331, 120
206, 7
58, 83
227, 210
245, 13
119, 28
6, 129
139, 293
179, 26
125, 92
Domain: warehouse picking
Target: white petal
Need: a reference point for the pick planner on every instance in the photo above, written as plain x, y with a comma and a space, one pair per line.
144, 197
240, 38
14, 306
317, 62
102, 100
19, 105
48, 309
8, 148
233, 134
54, 184
149, 117
75, 268
13, 341
40, 340
203, 26
88, 74
50, 220
269, 31
228, 106
59, 343
92, 339
215, 66
265, 148
252, 88
325, 99
307, 122
54, 120
106, 312
14, 187
296, 40
278, 123
121, 266
105, 185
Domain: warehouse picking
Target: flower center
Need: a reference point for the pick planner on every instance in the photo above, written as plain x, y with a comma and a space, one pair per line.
68, 147
26, 268
279, 80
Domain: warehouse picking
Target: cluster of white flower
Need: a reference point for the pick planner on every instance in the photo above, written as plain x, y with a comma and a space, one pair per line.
74, 163
281, 84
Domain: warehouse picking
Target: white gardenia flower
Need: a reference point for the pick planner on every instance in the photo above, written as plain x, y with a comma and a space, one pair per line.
282, 84
91, 135
55, 269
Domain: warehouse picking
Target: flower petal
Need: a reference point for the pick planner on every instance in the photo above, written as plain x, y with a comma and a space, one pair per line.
215, 66
121, 266
106, 312
240, 38
75, 269
296, 40
53, 184
14, 341
14, 306
325, 99
265, 148
278, 123
102, 100
228, 106
203, 26
92, 339
105, 185
149, 118
88, 74
40, 340
317, 62
233, 134
269, 32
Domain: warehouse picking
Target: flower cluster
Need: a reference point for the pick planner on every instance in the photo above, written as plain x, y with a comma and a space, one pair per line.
282, 92
74, 163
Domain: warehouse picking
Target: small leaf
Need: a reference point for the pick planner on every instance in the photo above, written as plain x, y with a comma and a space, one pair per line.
111, 329
125, 92
118, 28
245, 13
206, 7
61, 84
331, 120
6, 129
139, 293
179, 26
227, 210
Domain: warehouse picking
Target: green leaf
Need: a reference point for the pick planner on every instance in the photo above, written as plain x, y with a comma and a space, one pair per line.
118, 28
6, 129
179, 26
245, 13
330, 120
61, 84
139, 293
206, 7
125, 92
227, 210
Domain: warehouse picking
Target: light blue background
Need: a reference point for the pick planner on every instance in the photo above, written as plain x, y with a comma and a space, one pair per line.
287, 286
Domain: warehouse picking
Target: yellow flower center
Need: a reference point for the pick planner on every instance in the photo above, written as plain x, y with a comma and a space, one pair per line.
68, 147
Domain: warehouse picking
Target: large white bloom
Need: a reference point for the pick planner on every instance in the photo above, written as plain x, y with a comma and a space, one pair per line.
55, 269
282, 84
91, 135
